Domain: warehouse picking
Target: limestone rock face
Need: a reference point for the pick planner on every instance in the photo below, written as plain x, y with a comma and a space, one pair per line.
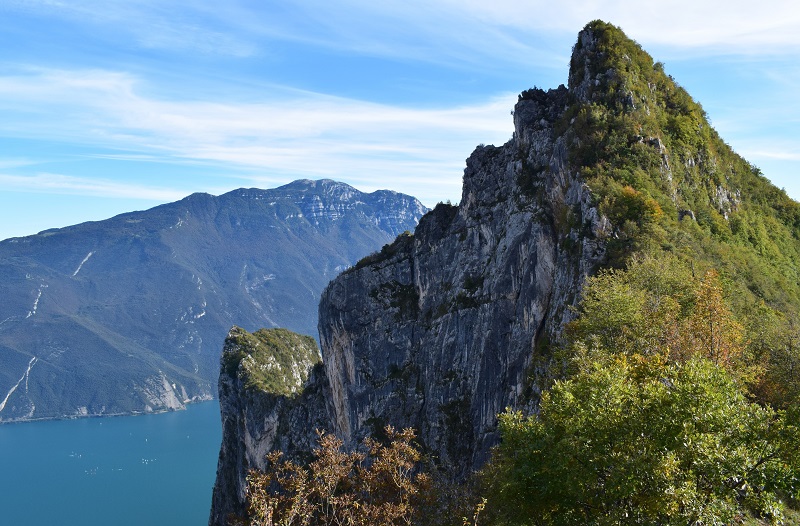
257, 419
440, 330
443, 329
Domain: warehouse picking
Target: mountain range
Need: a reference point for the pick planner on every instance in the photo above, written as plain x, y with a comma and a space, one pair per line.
128, 314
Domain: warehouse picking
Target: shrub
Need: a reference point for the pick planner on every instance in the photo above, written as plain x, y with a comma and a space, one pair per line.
355, 488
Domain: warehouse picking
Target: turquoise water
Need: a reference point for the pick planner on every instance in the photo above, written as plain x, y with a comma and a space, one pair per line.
134, 470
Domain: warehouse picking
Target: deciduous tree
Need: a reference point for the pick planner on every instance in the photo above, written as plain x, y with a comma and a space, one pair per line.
339, 488
637, 440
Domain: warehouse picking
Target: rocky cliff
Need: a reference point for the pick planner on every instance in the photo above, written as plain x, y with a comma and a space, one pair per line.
441, 330
272, 396
446, 327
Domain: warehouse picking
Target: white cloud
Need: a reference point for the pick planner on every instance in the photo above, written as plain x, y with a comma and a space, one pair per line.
441, 31
183, 26
290, 133
69, 185
789, 154
729, 26
285, 134
469, 31
10, 163
476, 32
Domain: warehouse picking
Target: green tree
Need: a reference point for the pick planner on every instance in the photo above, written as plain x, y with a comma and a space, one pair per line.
612, 312
637, 440
774, 342
635, 310
657, 305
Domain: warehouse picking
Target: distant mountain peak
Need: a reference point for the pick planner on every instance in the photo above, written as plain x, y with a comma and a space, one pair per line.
143, 300
316, 184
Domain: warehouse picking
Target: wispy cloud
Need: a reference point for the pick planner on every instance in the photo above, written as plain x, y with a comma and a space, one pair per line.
470, 30
290, 133
180, 25
10, 163
70, 185
460, 31
439, 32
780, 155
772, 148
714, 26
282, 133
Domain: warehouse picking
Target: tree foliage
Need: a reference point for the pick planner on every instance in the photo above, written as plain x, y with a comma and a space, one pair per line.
712, 330
340, 488
653, 420
386, 482
641, 440
661, 305
656, 305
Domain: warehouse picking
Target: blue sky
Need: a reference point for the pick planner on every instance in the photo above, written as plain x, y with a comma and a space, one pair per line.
108, 106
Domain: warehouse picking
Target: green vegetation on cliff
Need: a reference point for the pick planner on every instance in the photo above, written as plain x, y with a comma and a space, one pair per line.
670, 411
643, 441
277, 361
674, 397
668, 182
682, 204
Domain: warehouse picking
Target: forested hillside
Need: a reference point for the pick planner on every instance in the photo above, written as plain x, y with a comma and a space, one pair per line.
675, 388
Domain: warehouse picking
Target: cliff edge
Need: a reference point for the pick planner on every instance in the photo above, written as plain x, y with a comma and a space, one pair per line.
439, 330
269, 399
447, 327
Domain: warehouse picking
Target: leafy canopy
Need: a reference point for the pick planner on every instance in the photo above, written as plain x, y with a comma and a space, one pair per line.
640, 440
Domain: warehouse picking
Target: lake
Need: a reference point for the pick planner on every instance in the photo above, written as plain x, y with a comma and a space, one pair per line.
132, 470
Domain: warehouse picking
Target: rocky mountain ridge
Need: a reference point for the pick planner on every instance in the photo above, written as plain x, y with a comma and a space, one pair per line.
439, 331
449, 326
128, 314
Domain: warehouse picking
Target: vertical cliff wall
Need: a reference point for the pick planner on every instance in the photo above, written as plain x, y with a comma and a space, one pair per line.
443, 329
272, 396
439, 331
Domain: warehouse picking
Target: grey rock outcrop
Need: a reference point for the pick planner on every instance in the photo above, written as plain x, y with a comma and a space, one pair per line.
440, 331
257, 419
443, 329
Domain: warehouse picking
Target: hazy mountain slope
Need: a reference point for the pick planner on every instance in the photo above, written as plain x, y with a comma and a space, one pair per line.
129, 314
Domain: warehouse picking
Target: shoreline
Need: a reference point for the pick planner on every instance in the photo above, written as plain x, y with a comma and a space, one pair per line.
194, 401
